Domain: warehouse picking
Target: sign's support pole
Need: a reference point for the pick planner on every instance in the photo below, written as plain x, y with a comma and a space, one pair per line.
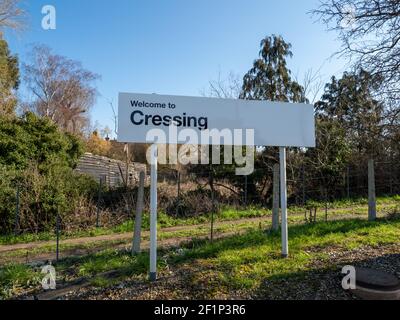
153, 213
284, 225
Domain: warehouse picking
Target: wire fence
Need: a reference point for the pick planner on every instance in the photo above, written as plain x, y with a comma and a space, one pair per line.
206, 192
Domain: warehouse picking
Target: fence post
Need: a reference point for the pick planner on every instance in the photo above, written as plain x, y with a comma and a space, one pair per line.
371, 191
303, 184
275, 200
138, 216
391, 179
348, 182
326, 205
245, 191
179, 193
213, 204
58, 235
98, 204
16, 225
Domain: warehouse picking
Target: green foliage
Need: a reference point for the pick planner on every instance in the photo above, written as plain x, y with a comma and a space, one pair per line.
41, 196
270, 78
37, 158
9, 79
14, 277
332, 152
352, 102
33, 139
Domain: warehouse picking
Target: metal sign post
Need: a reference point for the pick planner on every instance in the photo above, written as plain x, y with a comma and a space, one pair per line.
273, 124
153, 213
282, 160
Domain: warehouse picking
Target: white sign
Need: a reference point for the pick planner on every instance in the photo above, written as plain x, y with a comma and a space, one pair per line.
274, 123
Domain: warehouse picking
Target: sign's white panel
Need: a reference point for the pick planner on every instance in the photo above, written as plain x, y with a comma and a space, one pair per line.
274, 123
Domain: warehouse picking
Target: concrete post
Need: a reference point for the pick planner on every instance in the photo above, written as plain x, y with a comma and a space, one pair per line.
138, 216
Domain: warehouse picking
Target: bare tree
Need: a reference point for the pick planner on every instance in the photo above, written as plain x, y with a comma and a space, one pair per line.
370, 34
63, 90
11, 15
228, 87
312, 84
115, 115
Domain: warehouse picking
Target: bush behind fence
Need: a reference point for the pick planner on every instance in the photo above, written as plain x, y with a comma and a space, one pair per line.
30, 203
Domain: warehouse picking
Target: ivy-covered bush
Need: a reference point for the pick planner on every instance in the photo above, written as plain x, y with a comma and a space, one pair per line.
31, 138
38, 159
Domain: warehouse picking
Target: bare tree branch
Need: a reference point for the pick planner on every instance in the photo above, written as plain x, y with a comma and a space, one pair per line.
11, 15
371, 36
63, 89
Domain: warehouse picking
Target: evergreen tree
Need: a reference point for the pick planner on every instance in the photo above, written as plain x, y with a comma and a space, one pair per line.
352, 100
9, 79
270, 78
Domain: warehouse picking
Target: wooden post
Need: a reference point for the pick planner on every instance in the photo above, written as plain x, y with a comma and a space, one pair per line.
371, 191
391, 179
348, 182
127, 166
213, 204
58, 235
98, 205
303, 184
179, 193
326, 205
16, 224
138, 216
245, 191
326, 211
179, 185
275, 205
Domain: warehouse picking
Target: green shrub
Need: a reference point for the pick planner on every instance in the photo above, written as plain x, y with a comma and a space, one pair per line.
42, 196
38, 159
30, 138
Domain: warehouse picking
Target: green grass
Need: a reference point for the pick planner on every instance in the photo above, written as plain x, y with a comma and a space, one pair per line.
240, 262
15, 277
32, 252
164, 221
108, 260
226, 213
243, 262
101, 245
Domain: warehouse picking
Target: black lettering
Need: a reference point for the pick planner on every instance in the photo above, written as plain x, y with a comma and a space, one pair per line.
203, 123
148, 118
139, 118
134, 103
190, 120
184, 120
167, 120
133, 118
178, 121
157, 120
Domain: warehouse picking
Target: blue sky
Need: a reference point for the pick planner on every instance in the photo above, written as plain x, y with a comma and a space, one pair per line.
175, 46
